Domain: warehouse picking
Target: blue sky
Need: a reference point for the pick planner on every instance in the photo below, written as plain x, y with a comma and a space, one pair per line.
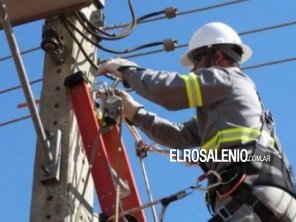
275, 84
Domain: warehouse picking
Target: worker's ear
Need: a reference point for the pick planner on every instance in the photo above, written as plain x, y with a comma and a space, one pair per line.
218, 57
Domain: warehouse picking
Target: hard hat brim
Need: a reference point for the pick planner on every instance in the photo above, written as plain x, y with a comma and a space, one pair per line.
247, 53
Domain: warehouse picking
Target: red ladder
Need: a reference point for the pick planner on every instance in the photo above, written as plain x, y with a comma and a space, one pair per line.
106, 151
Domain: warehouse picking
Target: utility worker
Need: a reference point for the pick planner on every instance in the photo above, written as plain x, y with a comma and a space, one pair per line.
229, 115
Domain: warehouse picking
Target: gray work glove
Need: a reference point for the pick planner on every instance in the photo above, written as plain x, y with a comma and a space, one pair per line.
111, 66
130, 106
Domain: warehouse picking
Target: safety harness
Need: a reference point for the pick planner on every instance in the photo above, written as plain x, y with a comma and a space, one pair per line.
239, 178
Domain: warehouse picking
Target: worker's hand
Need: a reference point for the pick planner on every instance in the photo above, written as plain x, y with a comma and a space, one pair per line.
130, 106
111, 66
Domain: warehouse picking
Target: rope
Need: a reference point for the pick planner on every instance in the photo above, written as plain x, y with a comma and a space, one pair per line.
163, 201
138, 138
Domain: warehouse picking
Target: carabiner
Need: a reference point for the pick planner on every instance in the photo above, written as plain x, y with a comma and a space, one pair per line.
206, 175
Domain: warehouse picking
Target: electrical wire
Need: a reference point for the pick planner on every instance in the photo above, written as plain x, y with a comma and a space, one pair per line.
92, 63
90, 27
94, 66
15, 120
275, 62
142, 20
146, 19
100, 34
19, 86
110, 50
197, 10
152, 52
22, 53
267, 28
248, 32
152, 14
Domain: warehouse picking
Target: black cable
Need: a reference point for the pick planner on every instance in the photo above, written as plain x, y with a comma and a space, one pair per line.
90, 27
152, 52
111, 50
109, 36
62, 19
148, 45
152, 14
15, 120
19, 86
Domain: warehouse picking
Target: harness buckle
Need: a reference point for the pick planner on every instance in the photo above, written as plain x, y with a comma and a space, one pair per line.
224, 213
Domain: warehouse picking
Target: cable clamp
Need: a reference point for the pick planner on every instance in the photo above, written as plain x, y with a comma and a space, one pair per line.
170, 12
169, 44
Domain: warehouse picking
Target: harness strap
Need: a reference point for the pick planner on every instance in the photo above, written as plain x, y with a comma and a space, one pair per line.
244, 196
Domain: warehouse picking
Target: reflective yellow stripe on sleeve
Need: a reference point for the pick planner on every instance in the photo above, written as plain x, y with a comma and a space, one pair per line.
242, 135
193, 89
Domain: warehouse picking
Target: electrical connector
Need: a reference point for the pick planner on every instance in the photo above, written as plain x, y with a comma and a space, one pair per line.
171, 12
169, 44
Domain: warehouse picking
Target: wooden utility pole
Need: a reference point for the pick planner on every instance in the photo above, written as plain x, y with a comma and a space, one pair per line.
69, 196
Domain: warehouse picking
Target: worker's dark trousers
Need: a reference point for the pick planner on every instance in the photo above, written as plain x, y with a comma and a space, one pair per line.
281, 203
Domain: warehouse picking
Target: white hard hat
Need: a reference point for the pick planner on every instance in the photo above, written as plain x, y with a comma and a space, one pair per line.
211, 34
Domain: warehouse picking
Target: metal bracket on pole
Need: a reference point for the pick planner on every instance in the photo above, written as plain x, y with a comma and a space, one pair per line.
51, 171
53, 45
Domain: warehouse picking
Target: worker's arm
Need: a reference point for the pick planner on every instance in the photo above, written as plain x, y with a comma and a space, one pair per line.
169, 134
164, 88
174, 91
172, 135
